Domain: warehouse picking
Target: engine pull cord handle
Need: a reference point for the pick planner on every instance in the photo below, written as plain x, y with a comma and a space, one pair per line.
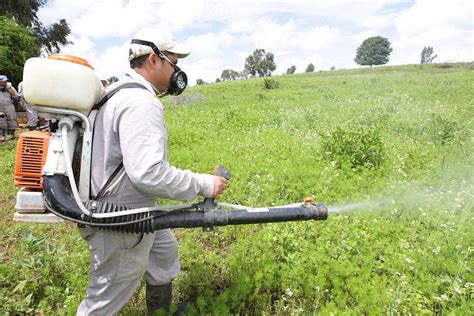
209, 203
222, 171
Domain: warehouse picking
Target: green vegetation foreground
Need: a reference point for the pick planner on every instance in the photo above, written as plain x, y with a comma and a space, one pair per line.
391, 148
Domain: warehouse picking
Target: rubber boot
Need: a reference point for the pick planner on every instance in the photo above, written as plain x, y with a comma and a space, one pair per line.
12, 133
2, 135
158, 297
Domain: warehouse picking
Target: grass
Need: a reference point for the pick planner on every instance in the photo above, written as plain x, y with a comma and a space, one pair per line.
397, 139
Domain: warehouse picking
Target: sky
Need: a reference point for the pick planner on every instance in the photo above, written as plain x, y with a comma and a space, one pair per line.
221, 34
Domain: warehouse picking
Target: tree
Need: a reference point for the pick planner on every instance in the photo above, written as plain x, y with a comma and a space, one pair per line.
427, 55
310, 68
373, 51
200, 82
218, 80
54, 36
291, 70
229, 74
17, 44
260, 63
51, 37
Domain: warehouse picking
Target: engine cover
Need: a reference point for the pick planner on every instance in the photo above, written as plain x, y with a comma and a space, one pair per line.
31, 155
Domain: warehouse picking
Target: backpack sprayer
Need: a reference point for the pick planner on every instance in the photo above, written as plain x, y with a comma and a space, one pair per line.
53, 166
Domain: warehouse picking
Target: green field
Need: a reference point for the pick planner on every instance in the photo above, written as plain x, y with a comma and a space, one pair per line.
389, 149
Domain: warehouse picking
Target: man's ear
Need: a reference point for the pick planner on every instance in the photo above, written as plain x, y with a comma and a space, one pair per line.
153, 59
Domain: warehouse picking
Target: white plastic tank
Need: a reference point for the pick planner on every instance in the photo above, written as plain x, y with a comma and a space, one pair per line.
61, 81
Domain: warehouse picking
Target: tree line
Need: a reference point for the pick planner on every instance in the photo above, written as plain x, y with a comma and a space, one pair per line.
373, 51
258, 64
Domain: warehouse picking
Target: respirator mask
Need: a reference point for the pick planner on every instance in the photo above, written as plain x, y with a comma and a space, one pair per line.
179, 79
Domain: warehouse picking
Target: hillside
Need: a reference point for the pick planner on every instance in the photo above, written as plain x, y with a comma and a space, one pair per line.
390, 149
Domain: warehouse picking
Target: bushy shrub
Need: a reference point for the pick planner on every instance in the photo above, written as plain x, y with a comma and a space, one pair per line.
354, 146
269, 83
444, 65
443, 129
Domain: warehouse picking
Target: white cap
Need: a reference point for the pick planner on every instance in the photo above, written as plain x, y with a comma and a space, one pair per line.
3, 78
164, 42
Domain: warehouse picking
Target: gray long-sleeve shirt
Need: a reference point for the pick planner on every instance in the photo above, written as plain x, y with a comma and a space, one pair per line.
130, 127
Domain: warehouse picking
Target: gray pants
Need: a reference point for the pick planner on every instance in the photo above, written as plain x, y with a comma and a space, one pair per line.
119, 260
8, 122
31, 113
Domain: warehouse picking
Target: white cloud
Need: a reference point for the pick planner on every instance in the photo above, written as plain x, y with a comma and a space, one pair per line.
360, 37
178, 14
446, 26
451, 54
450, 43
110, 62
214, 52
63, 9
293, 44
336, 10
377, 22
289, 37
81, 46
204, 45
426, 14
111, 18
207, 69
240, 26
113, 61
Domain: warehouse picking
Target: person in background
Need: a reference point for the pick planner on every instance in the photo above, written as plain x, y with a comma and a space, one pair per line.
31, 113
7, 109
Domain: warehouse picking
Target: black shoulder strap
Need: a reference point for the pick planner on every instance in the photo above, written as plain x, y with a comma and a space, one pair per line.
111, 93
102, 101
109, 181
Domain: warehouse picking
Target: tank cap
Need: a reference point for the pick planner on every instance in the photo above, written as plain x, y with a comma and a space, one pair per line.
72, 59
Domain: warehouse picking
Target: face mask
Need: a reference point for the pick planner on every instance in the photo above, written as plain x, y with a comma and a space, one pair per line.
179, 79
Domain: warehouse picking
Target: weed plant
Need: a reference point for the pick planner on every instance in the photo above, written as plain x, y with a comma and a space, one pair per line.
354, 146
269, 83
396, 140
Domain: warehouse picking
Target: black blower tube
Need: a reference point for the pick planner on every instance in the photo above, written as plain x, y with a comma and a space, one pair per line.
60, 201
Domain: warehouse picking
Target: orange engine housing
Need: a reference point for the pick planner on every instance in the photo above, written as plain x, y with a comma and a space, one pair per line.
31, 154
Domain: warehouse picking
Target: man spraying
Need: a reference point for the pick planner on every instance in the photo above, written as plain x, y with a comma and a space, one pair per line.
130, 166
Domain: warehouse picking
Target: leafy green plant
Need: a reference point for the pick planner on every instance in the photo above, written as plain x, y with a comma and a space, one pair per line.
354, 146
269, 83
443, 129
